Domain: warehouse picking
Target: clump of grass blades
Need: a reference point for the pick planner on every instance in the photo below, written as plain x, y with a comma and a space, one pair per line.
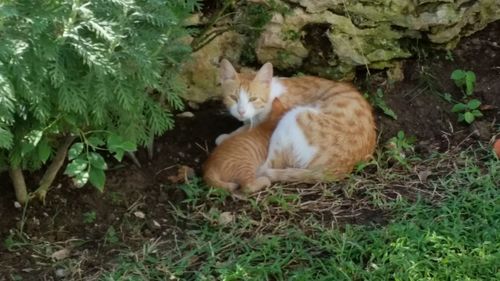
453, 238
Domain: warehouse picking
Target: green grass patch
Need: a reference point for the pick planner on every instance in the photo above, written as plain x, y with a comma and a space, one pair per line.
456, 238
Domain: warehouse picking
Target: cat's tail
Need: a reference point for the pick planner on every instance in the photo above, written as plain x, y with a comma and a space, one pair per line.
212, 179
299, 175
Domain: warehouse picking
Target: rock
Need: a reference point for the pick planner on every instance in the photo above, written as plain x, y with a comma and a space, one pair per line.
282, 51
353, 33
193, 20
370, 33
201, 72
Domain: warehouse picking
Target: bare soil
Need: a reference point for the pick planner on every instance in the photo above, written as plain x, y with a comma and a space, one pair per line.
149, 189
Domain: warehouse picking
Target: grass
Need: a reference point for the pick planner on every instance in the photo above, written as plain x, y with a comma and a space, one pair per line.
446, 229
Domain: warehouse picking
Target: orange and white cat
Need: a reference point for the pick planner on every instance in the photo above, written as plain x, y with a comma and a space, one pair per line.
234, 162
328, 130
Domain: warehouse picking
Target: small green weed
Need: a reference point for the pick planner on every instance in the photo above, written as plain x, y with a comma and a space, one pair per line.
89, 217
194, 190
468, 110
378, 101
286, 202
111, 236
291, 35
399, 147
449, 55
15, 241
116, 198
465, 80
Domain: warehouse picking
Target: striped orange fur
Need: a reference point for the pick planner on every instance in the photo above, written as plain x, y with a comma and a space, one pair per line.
235, 161
329, 129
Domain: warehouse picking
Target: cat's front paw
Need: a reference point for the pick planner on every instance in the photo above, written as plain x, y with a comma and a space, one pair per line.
221, 138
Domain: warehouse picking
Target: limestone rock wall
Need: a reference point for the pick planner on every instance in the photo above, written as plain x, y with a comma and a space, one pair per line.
331, 38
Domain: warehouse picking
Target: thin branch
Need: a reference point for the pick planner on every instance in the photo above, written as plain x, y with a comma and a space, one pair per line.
53, 169
17, 177
213, 34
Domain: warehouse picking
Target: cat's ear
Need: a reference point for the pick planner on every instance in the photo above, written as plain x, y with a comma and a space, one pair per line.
226, 71
265, 73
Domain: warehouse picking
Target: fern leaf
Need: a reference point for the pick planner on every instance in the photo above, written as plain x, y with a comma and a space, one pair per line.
6, 138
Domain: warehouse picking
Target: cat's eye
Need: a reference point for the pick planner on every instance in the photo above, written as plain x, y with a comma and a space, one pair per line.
252, 99
234, 97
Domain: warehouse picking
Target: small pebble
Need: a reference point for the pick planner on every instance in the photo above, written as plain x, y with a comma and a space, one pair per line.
60, 273
186, 114
139, 214
156, 224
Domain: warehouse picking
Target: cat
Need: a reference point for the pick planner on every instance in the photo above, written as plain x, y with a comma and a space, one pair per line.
234, 162
328, 130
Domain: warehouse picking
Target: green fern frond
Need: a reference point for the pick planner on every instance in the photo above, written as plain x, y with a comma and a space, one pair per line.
87, 65
6, 138
103, 29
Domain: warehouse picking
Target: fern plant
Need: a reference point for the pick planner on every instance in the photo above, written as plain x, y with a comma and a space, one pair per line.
83, 70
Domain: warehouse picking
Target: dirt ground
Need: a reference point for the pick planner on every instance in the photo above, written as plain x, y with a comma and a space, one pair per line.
421, 112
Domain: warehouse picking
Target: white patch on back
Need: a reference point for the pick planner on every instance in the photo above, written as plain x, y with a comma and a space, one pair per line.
277, 89
289, 137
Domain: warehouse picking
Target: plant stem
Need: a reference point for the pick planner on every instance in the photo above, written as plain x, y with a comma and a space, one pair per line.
209, 37
151, 145
53, 169
134, 159
17, 177
203, 35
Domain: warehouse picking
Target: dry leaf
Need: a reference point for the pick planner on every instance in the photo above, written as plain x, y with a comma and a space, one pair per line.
486, 107
226, 218
61, 254
183, 174
423, 175
28, 270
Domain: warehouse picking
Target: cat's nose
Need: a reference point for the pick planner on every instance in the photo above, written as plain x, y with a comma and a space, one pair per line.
241, 112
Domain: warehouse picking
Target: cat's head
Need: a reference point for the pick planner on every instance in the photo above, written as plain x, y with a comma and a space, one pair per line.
246, 95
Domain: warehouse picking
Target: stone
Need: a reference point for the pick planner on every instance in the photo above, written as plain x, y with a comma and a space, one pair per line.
369, 33
282, 51
366, 33
186, 114
201, 72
